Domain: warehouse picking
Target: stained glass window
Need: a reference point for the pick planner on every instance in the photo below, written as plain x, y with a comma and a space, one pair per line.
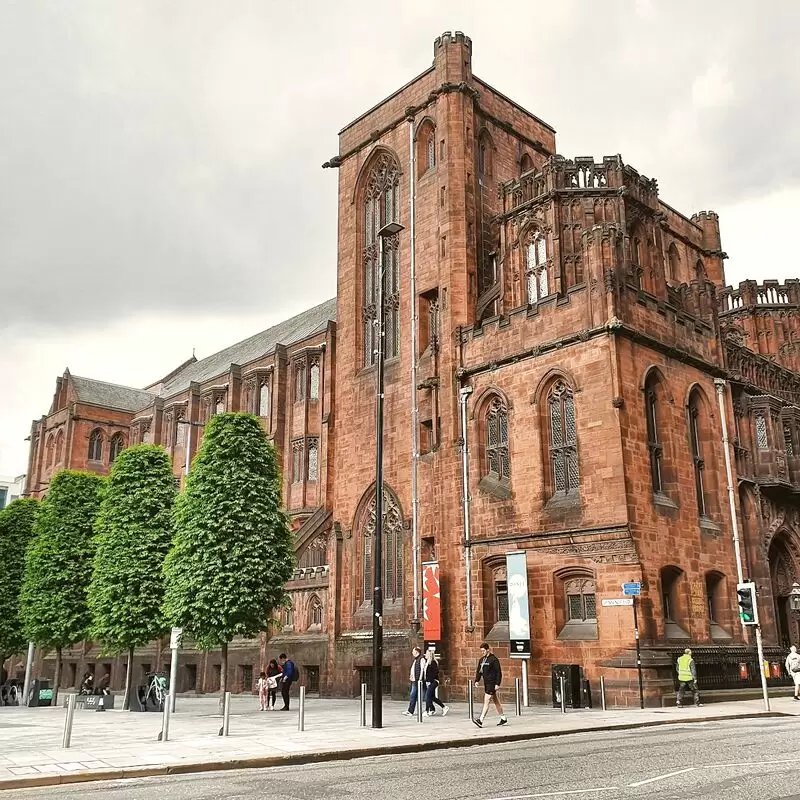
381, 205
563, 438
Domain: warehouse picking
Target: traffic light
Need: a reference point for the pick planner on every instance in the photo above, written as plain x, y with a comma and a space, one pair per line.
748, 610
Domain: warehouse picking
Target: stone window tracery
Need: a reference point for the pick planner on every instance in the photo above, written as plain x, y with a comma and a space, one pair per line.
96, 445
315, 553
299, 381
264, 398
536, 276
581, 602
761, 432
116, 447
313, 459
315, 612
563, 439
498, 461
392, 549
381, 206
313, 381
297, 461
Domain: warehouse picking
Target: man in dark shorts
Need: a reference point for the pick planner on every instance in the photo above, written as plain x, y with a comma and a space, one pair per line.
491, 674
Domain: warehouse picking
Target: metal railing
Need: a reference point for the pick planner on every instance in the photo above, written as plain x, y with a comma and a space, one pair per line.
735, 667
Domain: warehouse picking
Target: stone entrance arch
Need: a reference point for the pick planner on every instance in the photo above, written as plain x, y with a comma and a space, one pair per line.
784, 570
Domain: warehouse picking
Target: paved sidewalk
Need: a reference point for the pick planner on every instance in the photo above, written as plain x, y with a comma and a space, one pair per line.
117, 744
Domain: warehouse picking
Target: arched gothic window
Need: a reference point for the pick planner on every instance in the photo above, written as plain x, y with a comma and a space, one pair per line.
581, 603
426, 148
116, 447
264, 398
60, 447
392, 549
313, 380
485, 153
51, 450
381, 206
674, 263
313, 459
694, 411
563, 439
654, 445
536, 267
315, 553
525, 164
96, 445
299, 381
498, 462
315, 612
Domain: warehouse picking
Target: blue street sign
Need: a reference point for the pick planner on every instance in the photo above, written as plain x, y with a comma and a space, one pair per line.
631, 589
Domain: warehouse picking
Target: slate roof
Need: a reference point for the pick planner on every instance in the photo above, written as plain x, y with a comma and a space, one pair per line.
111, 395
290, 331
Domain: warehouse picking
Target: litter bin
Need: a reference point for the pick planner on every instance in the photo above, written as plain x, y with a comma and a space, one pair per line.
40, 694
573, 685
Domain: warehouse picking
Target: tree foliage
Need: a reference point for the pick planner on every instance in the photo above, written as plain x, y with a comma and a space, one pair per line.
233, 550
133, 535
58, 564
16, 531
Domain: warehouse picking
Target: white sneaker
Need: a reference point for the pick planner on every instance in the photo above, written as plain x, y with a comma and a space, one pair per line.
445, 710
431, 713
408, 713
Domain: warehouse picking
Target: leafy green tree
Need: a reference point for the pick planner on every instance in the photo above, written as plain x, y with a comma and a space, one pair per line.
58, 565
16, 530
233, 550
133, 535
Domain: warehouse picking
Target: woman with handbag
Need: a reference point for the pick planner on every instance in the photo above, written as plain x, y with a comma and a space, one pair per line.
430, 674
793, 668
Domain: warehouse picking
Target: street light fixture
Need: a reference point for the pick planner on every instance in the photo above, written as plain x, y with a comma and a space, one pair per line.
388, 230
794, 598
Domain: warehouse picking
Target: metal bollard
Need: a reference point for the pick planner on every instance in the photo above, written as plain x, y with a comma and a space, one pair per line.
470, 700
420, 699
525, 701
165, 718
563, 696
517, 698
226, 714
603, 692
363, 705
68, 721
301, 715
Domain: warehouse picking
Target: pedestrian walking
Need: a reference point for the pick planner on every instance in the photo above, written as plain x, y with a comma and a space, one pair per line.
687, 677
490, 672
414, 676
262, 691
793, 668
430, 674
274, 673
289, 675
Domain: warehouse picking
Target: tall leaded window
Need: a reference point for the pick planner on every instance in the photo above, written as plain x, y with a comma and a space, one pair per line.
563, 439
313, 380
761, 432
501, 599
654, 446
219, 406
581, 602
381, 206
264, 398
696, 446
788, 442
315, 612
299, 381
392, 549
96, 446
116, 447
536, 267
313, 459
297, 461
497, 456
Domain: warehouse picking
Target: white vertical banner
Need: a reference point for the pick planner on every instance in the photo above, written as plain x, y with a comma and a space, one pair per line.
519, 626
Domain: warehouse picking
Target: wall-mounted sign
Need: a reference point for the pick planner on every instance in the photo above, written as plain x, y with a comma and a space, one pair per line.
519, 626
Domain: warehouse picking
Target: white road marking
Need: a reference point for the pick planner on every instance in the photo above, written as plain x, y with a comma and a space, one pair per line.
663, 777
556, 794
794, 761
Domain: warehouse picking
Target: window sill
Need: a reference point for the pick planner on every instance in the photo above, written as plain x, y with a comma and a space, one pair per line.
570, 499
660, 499
499, 487
674, 631
709, 525
718, 633
578, 631
498, 633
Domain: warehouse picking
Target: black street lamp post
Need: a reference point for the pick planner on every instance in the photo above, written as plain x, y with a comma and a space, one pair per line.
388, 230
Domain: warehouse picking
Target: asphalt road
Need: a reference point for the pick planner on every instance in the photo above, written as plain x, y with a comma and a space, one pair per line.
735, 760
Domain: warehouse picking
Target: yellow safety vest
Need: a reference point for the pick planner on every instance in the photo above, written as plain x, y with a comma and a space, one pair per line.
684, 668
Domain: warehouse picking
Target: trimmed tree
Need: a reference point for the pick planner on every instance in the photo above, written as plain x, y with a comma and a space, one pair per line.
133, 535
16, 531
233, 551
58, 565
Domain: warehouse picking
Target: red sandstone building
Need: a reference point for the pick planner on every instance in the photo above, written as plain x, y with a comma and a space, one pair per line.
573, 339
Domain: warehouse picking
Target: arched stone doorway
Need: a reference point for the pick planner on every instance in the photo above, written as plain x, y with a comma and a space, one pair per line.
784, 570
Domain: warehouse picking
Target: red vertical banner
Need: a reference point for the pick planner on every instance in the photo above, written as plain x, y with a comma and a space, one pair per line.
431, 605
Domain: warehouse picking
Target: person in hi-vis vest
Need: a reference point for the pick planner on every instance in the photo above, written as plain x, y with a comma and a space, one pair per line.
687, 677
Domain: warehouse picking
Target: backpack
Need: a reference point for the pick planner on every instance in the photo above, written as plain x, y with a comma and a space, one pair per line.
295, 672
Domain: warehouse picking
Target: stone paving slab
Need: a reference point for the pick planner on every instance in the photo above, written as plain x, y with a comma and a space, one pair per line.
118, 744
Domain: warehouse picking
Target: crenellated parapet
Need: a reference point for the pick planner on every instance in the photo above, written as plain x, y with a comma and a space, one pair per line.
752, 294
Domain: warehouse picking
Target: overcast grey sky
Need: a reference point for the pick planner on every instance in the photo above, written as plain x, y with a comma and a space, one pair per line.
160, 181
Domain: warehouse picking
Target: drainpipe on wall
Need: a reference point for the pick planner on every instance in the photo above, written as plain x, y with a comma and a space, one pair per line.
415, 549
720, 386
463, 393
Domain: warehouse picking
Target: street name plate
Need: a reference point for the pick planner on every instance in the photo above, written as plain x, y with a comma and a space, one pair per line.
631, 589
175, 638
617, 601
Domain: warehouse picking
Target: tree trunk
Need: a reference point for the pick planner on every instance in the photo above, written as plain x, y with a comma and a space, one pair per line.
57, 677
126, 698
223, 677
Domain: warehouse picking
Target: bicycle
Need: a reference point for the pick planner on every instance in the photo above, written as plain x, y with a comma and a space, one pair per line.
156, 691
